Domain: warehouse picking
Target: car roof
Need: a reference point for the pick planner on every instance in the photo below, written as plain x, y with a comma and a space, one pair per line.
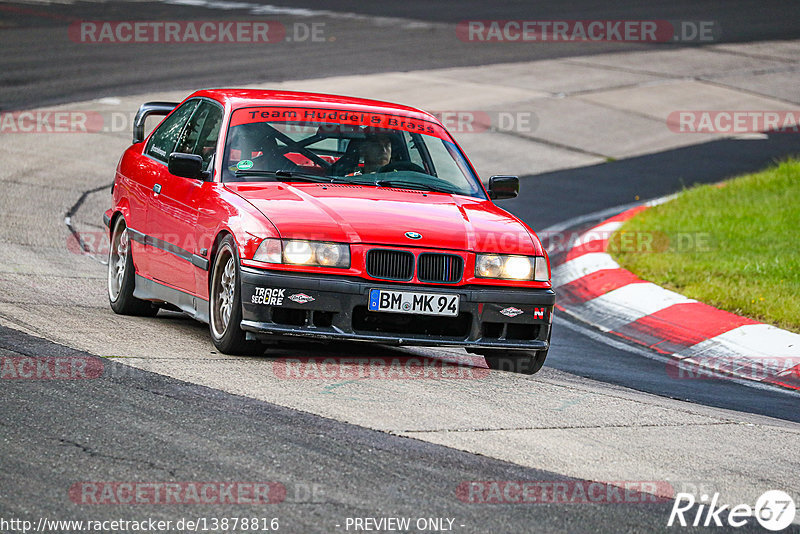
242, 98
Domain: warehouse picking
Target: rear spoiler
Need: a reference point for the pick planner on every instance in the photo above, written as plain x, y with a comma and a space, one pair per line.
145, 110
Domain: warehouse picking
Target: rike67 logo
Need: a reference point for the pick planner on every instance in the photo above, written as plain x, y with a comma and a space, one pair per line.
774, 510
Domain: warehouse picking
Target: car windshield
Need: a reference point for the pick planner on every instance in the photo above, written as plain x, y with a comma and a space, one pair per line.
319, 145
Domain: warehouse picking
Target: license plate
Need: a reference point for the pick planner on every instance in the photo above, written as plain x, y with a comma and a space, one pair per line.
408, 302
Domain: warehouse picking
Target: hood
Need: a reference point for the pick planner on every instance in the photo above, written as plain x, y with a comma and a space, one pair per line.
383, 215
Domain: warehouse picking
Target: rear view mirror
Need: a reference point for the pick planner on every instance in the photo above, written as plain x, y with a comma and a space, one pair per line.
187, 166
501, 187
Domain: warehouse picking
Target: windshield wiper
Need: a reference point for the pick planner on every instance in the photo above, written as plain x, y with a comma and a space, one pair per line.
352, 182
302, 177
294, 176
413, 185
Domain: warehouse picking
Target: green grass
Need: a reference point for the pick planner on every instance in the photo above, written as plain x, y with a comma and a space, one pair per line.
734, 245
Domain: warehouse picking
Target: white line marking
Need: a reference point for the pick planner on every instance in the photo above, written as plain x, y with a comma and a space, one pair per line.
582, 266
601, 232
605, 228
629, 303
749, 341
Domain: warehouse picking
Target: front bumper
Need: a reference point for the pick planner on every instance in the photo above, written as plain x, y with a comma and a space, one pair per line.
276, 304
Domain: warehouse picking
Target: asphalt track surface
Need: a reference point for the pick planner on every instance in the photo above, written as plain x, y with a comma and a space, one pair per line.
40, 65
136, 425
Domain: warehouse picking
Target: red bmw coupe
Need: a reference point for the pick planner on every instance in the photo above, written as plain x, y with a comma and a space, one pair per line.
271, 214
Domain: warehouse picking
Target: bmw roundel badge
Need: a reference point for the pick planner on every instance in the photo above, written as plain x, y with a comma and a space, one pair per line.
413, 235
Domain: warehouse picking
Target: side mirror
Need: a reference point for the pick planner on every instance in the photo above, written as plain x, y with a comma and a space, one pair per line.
187, 166
145, 110
501, 187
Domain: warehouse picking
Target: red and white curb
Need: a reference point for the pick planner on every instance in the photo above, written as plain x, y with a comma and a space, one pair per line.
703, 341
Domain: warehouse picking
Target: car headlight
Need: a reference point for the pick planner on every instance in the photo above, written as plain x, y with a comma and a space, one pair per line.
489, 266
518, 268
298, 252
511, 267
302, 252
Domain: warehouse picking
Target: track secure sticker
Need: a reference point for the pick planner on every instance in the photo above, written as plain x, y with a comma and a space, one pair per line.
268, 296
244, 165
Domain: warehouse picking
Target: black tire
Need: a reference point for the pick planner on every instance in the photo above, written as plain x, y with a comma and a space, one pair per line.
122, 275
526, 363
223, 324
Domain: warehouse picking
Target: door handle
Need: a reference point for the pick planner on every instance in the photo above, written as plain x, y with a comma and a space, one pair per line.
157, 189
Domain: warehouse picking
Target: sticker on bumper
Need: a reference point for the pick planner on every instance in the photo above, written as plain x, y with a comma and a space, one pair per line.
268, 296
301, 298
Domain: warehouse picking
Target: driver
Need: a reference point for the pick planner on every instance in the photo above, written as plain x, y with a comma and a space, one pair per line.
377, 152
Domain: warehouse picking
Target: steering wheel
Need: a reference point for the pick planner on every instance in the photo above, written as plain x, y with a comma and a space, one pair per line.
402, 166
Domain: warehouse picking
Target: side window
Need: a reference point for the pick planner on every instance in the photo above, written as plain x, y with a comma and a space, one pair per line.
162, 142
201, 134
